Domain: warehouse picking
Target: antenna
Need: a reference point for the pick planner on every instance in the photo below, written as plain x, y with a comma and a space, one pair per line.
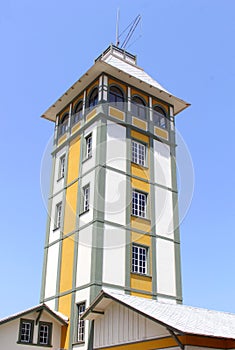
130, 33
117, 28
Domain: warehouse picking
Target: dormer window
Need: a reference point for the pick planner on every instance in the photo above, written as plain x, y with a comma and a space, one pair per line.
159, 117
138, 107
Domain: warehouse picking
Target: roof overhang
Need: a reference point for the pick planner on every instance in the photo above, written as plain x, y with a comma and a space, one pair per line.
102, 67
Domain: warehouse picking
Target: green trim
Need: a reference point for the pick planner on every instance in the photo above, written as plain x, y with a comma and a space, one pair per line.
127, 290
58, 277
103, 114
153, 217
50, 327
128, 209
98, 210
24, 320
48, 225
175, 209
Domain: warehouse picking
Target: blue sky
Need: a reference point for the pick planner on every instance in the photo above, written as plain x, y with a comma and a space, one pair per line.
188, 46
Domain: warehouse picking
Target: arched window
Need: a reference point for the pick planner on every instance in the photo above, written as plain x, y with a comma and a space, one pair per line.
63, 126
116, 97
159, 117
77, 115
138, 107
93, 98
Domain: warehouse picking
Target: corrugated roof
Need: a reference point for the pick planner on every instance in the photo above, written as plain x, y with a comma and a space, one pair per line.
57, 315
182, 318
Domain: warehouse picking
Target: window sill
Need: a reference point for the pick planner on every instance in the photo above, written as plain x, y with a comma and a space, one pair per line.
147, 276
33, 344
60, 178
139, 165
79, 343
86, 159
84, 212
139, 218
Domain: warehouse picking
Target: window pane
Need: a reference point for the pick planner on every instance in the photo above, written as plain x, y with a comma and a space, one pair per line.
139, 259
139, 203
25, 332
81, 323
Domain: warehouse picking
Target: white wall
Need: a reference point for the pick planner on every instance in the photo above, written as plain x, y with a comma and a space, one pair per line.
84, 256
166, 283
164, 212
9, 333
114, 255
116, 146
120, 325
115, 197
51, 270
162, 164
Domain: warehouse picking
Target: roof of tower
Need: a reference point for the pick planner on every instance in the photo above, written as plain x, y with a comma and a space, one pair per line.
122, 65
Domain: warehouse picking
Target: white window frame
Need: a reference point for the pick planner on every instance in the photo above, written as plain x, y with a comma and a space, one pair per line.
88, 146
139, 204
58, 215
86, 198
81, 323
61, 167
139, 153
139, 262
45, 333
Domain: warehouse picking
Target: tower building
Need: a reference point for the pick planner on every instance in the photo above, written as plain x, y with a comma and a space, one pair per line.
113, 205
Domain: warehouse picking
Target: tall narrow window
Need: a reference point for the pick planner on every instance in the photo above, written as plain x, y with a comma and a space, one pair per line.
139, 204
139, 259
77, 112
93, 99
63, 126
138, 153
58, 215
88, 146
61, 167
138, 107
116, 97
26, 331
44, 333
81, 323
159, 117
86, 198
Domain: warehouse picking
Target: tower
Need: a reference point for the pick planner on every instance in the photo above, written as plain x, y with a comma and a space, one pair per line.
112, 215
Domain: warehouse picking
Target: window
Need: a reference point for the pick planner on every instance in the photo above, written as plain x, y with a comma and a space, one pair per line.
93, 99
139, 259
81, 323
138, 153
88, 146
139, 204
26, 331
116, 97
63, 126
58, 215
159, 117
44, 333
61, 167
77, 112
138, 107
86, 198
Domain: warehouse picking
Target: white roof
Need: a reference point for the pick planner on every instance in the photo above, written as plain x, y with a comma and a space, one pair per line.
55, 314
131, 69
120, 65
181, 318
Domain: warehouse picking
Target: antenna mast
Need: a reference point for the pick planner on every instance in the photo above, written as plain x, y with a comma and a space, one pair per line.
131, 31
117, 28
